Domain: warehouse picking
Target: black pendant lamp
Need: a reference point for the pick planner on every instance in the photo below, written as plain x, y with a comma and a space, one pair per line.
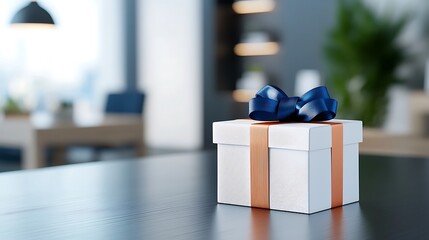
33, 13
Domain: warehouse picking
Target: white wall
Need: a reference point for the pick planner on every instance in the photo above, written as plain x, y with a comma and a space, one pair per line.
170, 72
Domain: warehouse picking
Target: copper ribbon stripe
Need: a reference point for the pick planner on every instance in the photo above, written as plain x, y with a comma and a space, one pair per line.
337, 153
259, 165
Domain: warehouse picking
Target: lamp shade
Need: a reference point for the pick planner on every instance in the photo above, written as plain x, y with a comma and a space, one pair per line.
33, 13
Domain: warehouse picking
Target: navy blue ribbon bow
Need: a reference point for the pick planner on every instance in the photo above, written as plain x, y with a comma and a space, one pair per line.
272, 104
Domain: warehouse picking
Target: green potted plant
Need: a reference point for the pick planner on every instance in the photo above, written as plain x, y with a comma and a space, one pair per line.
12, 108
65, 110
363, 57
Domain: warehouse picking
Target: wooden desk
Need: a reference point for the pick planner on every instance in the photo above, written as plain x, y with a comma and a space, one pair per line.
33, 135
174, 197
378, 142
418, 109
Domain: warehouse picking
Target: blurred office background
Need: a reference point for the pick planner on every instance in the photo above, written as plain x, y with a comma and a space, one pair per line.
196, 62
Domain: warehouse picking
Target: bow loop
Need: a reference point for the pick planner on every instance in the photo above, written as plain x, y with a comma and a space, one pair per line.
272, 104
271, 92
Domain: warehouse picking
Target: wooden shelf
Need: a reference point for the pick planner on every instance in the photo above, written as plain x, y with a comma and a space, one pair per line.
256, 49
253, 6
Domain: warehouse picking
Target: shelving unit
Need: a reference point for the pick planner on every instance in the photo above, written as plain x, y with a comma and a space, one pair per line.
253, 45
298, 27
249, 46
228, 67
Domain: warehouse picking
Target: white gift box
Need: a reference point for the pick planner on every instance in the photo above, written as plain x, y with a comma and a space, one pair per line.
299, 164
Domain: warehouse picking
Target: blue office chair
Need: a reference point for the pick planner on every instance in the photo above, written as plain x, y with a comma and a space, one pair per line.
10, 153
129, 102
11, 158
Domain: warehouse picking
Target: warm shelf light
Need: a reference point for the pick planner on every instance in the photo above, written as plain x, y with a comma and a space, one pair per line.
243, 95
256, 49
253, 6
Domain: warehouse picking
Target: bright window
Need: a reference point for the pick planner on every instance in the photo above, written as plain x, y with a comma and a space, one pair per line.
41, 67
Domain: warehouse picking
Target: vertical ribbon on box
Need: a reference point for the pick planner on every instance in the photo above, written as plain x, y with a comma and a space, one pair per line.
259, 166
337, 162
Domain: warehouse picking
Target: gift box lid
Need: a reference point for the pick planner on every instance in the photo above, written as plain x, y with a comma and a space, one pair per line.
294, 136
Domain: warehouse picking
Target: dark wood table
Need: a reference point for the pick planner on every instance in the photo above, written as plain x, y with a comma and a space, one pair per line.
174, 197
